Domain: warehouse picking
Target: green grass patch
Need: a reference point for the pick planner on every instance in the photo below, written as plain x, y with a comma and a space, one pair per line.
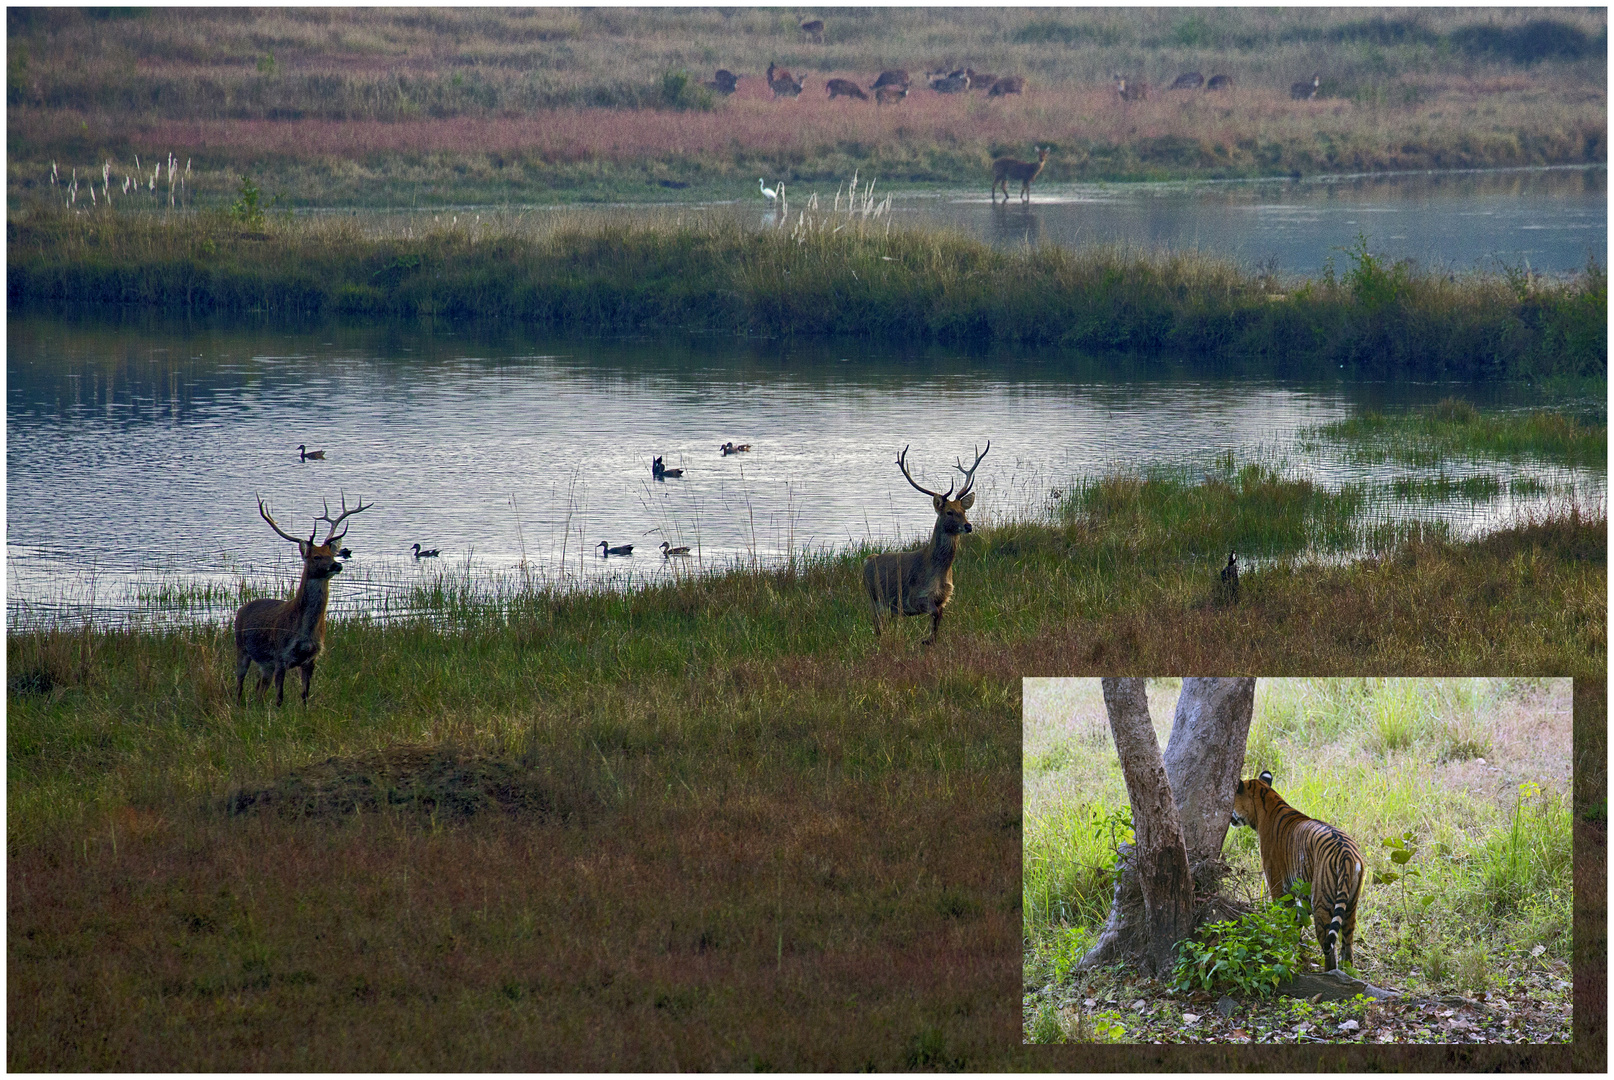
1455, 429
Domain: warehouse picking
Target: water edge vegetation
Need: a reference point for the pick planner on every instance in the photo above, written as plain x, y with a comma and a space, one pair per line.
824, 271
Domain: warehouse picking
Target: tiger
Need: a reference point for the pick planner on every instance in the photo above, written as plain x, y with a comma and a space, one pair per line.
1294, 848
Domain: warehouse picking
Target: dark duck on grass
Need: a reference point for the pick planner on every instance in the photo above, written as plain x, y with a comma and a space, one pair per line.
1230, 578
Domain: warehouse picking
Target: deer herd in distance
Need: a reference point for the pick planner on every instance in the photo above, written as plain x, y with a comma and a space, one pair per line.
892, 86
888, 88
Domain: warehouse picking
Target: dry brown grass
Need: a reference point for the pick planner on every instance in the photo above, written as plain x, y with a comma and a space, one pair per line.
727, 927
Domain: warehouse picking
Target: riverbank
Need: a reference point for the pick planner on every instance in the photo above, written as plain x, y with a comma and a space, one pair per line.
697, 824
827, 271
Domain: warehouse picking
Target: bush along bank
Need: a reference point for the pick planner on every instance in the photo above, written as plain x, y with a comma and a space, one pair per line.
826, 274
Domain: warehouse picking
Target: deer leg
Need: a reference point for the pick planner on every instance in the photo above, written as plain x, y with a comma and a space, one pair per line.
308, 679
280, 684
935, 623
242, 662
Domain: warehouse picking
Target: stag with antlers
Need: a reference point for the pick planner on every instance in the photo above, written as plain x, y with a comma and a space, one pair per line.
921, 582
278, 635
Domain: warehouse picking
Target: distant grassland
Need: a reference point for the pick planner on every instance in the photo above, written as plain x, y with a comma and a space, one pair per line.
828, 273
454, 106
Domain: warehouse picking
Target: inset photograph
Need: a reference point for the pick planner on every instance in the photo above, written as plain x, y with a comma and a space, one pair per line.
1282, 861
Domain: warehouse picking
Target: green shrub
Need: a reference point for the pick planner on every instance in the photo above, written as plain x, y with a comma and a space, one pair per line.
680, 92
1252, 954
248, 206
1070, 944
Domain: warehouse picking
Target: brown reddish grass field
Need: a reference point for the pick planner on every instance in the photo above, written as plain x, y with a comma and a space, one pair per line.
790, 130
420, 106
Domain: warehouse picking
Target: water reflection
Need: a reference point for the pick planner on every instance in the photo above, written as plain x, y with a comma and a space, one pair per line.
1015, 224
135, 452
1553, 218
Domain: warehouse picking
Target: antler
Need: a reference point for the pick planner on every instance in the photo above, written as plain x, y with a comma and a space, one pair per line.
346, 513
902, 463
283, 534
969, 475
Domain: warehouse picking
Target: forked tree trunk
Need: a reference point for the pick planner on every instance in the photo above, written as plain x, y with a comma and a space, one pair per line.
1181, 809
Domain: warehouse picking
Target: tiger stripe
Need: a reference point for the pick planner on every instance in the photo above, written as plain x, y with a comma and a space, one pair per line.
1295, 847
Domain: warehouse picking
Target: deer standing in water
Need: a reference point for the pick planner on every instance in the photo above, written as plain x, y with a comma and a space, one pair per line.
1005, 169
281, 634
921, 582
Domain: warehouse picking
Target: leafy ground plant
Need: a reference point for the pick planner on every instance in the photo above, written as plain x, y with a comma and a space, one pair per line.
1252, 954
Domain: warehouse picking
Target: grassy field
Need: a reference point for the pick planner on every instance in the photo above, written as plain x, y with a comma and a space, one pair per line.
832, 271
1479, 771
693, 826
449, 107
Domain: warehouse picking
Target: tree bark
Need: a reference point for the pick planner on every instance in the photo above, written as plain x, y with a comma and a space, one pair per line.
1203, 758
1160, 860
1181, 810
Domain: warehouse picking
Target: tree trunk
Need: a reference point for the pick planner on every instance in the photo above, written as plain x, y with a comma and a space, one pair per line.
1159, 858
1203, 758
1181, 810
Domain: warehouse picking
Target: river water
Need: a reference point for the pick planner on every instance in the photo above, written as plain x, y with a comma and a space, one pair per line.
136, 450
1548, 219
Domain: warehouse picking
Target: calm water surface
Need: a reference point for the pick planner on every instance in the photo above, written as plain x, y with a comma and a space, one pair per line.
135, 452
1551, 219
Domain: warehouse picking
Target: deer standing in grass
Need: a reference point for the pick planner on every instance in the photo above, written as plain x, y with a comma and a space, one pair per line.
278, 635
845, 88
921, 582
1005, 169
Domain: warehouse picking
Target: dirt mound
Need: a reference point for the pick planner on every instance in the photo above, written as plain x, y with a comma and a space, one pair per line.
441, 782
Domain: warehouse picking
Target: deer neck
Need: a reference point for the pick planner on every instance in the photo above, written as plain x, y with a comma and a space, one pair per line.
307, 605
943, 546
